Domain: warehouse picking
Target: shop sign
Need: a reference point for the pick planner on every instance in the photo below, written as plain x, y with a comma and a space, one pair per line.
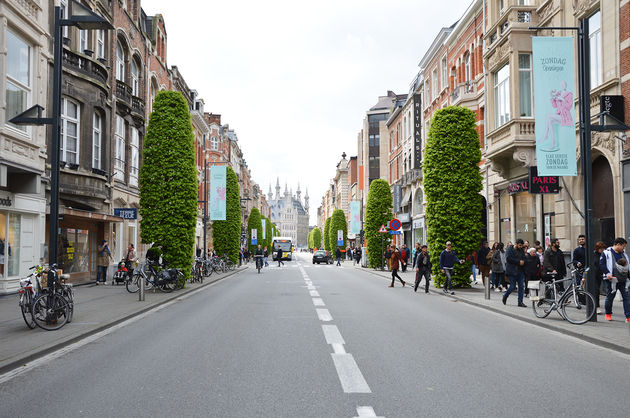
126, 213
397, 197
5, 200
418, 223
417, 131
518, 186
542, 184
404, 217
613, 105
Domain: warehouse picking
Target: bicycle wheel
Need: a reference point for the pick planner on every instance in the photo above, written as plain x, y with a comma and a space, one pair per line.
26, 305
167, 287
50, 311
542, 308
69, 295
574, 306
133, 285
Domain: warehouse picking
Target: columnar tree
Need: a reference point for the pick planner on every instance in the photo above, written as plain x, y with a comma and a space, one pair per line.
378, 211
337, 223
452, 183
327, 244
317, 238
226, 234
168, 181
254, 222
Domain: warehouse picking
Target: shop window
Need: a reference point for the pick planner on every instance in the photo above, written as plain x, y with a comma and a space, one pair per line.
525, 216
505, 219
12, 246
74, 250
549, 204
418, 204
18, 79
4, 246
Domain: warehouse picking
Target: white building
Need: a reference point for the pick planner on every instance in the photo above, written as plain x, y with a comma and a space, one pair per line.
289, 214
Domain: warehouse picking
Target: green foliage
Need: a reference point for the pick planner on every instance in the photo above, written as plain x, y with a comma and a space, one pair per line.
254, 222
452, 183
338, 222
317, 238
378, 211
327, 244
226, 235
168, 181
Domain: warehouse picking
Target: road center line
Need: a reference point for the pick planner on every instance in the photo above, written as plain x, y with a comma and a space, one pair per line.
332, 334
351, 378
318, 302
324, 315
366, 412
314, 293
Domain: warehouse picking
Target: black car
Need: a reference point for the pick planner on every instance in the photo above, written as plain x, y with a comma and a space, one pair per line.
321, 256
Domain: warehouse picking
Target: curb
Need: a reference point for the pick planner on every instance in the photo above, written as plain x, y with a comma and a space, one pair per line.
532, 321
48, 349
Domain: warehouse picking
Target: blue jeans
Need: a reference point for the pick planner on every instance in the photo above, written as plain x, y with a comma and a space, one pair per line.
101, 274
498, 279
474, 272
520, 278
610, 296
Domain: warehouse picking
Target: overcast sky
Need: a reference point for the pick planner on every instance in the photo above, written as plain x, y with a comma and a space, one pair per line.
295, 78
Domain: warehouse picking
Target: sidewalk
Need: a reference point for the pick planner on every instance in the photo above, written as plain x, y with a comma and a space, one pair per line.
614, 335
95, 308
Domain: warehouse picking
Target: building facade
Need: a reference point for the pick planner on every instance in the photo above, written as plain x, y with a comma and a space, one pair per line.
289, 214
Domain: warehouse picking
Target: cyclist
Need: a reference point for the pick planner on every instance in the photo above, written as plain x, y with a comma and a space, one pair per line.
258, 255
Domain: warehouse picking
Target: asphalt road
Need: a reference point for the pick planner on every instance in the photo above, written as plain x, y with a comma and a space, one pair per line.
323, 341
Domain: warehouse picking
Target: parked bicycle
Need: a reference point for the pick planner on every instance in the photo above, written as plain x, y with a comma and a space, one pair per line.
166, 280
571, 304
54, 307
196, 271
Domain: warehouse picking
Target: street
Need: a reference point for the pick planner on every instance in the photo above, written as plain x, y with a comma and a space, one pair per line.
308, 340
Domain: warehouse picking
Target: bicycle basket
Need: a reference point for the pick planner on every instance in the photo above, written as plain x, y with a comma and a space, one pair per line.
536, 290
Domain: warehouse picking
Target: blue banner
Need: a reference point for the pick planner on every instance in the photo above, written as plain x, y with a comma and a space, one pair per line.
554, 104
355, 217
126, 213
218, 192
254, 236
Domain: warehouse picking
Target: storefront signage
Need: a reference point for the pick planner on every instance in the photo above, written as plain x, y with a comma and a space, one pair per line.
404, 217
5, 200
417, 131
518, 186
613, 105
126, 213
554, 104
397, 197
542, 184
418, 223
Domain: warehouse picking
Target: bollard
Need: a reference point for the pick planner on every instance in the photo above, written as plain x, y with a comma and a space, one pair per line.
486, 287
141, 292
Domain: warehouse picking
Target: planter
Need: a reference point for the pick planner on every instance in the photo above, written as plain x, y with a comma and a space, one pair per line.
88, 52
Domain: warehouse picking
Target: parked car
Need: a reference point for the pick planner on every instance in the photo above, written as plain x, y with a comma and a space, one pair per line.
321, 256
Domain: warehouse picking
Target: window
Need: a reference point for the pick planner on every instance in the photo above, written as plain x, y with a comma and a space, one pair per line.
427, 93
120, 62
467, 68
96, 141
69, 131
153, 92
18, 83
83, 40
119, 149
434, 80
135, 157
595, 45
525, 84
134, 78
214, 143
502, 95
64, 15
444, 74
100, 43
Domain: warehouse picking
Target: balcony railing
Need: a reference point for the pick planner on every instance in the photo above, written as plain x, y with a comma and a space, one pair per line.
137, 105
123, 92
84, 65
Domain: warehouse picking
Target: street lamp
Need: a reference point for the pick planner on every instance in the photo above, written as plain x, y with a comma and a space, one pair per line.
83, 18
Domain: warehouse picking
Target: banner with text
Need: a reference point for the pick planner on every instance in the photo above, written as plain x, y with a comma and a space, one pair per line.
218, 175
355, 217
264, 228
554, 84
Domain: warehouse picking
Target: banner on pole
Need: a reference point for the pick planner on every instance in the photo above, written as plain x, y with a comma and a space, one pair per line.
264, 228
254, 237
554, 86
339, 237
355, 217
218, 191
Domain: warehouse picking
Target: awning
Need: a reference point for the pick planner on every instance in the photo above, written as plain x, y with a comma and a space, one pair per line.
89, 215
405, 199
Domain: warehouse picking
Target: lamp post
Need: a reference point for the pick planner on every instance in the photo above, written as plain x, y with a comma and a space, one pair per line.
205, 199
84, 19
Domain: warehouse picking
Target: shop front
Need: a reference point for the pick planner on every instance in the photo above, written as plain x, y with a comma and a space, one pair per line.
22, 228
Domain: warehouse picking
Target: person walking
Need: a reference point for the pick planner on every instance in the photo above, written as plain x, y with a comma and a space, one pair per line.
515, 261
614, 264
388, 257
279, 256
482, 260
395, 264
357, 255
130, 259
498, 266
553, 263
596, 271
338, 256
448, 258
579, 258
104, 257
266, 256
404, 257
422, 264
532, 268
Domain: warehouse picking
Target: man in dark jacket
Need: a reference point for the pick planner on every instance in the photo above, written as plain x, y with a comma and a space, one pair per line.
579, 258
404, 257
338, 256
482, 262
514, 263
448, 257
422, 264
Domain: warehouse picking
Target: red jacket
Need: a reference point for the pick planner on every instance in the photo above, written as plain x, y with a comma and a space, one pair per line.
395, 261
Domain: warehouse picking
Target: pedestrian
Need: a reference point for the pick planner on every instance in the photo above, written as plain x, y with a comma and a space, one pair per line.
532, 268
349, 253
104, 257
498, 266
614, 264
578, 258
388, 256
448, 257
404, 257
338, 256
596, 271
357, 255
526, 247
130, 259
266, 256
482, 259
279, 256
198, 252
395, 264
473, 257
553, 264
541, 256
515, 262
422, 264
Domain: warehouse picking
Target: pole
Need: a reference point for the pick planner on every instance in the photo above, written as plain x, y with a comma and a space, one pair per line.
141, 292
205, 204
53, 225
382, 252
584, 85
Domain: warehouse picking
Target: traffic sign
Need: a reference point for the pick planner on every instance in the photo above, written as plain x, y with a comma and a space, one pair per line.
395, 224
382, 230
395, 232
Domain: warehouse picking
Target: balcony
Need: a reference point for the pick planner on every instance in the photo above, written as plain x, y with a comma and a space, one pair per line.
123, 93
85, 67
462, 92
513, 17
513, 141
137, 106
